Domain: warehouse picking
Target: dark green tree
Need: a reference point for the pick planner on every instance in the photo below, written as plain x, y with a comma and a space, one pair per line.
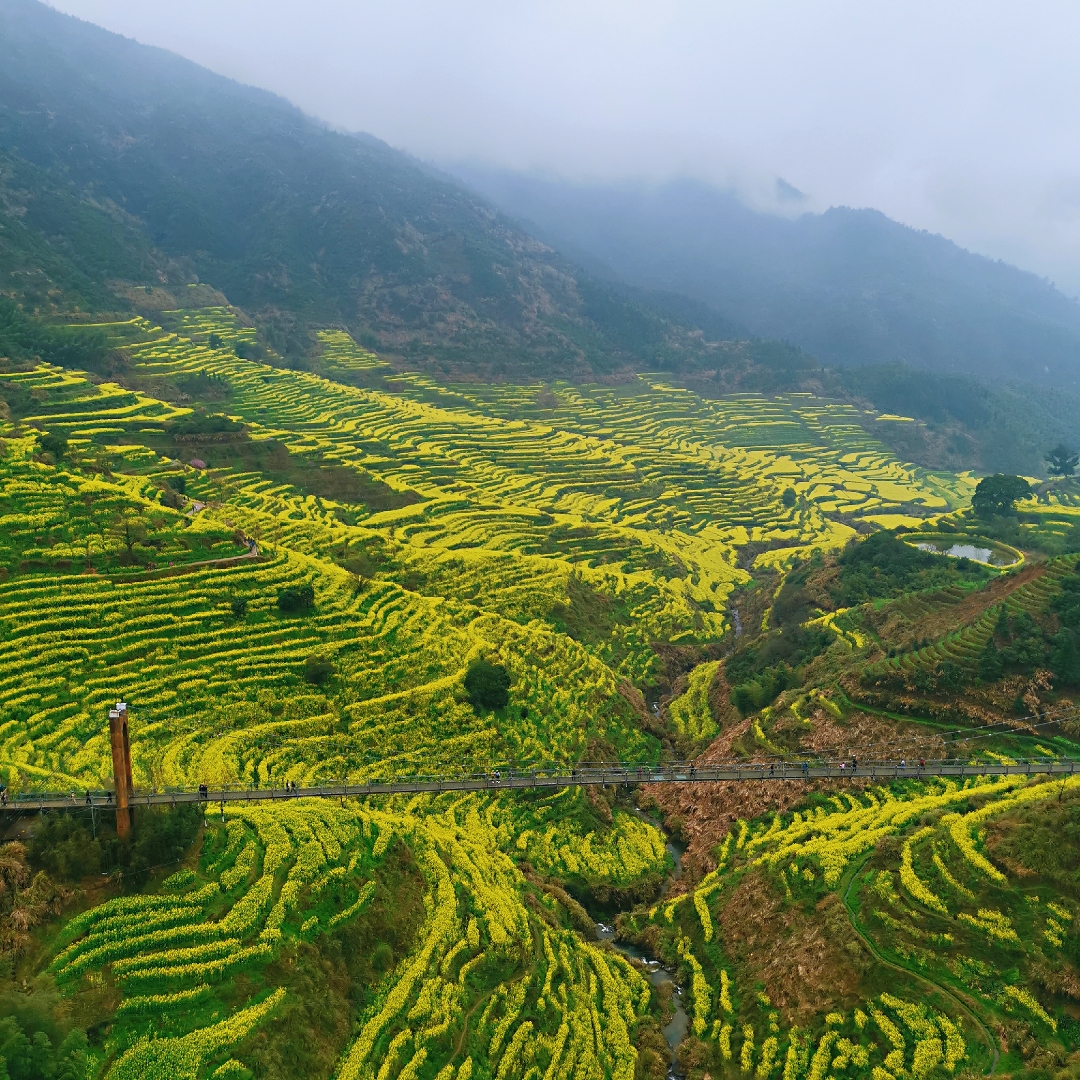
129, 528
949, 676
295, 598
1067, 602
64, 848
751, 696
1065, 659
487, 684
239, 606
54, 445
991, 663
995, 496
317, 669
1062, 461
789, 497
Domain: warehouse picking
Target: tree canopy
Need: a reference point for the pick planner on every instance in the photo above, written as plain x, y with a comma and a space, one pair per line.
996, 496
1062, 461
295, 598
487, 685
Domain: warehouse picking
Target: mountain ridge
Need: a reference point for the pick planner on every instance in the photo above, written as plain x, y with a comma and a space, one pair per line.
851, 286
298, 224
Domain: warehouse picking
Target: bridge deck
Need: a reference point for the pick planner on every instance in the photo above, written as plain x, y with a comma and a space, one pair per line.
679, 773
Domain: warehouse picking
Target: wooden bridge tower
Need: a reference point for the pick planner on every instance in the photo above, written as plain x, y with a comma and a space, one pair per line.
121, 762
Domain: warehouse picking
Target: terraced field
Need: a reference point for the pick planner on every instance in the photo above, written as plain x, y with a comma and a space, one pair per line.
303, 871
570, 535
923, 945
962, 647
641, 502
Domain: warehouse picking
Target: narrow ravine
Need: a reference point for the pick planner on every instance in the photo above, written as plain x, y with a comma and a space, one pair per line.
673, 849
676, 1028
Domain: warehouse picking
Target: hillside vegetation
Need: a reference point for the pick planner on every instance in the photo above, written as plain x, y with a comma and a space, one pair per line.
126, 171
430, 499
849, 286
290, 577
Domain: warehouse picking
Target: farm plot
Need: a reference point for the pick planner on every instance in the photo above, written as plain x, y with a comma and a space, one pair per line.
487, 987
560, 532
923, 941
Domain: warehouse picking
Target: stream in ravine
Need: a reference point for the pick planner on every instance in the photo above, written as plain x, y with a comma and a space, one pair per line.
675, 1030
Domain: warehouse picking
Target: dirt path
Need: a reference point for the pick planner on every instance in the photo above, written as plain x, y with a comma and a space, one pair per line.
940, 621
183, 568
944, 990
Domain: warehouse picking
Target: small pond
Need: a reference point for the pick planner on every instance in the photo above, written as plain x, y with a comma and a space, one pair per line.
991, 555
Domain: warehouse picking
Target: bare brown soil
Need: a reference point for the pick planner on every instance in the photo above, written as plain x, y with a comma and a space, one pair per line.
702, 814
809, 962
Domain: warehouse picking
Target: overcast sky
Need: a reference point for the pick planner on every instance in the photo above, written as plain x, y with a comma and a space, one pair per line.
961, 118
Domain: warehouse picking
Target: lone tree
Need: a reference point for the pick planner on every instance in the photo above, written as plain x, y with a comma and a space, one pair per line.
995, 496
318, 668
296, 598
487, 685
1061, 461
129, 529
56, 446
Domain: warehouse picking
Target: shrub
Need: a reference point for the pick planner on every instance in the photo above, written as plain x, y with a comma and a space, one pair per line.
162, 836
54, 445
200, 423
755, 694
317, 669
172, 499
487, 685
62, 846
28, 1051
249, 350
296, 598
788, 498
239, 606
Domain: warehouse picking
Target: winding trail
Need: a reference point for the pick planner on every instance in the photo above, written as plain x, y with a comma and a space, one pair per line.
944, 990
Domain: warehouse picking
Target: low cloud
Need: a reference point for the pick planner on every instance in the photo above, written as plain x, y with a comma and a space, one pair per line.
957, 118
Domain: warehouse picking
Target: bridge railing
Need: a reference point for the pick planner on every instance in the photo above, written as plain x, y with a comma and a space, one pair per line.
557, 775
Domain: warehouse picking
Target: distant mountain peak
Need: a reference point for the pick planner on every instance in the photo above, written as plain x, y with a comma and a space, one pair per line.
788, 193
850, 286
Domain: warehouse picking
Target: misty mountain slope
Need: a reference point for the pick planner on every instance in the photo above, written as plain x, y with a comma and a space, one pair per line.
850, 286
58, 251
188, 174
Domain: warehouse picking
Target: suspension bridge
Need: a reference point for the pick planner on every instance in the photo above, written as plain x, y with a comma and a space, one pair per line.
508, 779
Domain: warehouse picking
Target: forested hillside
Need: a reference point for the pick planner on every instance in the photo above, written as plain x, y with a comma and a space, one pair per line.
849, 286
125, 165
